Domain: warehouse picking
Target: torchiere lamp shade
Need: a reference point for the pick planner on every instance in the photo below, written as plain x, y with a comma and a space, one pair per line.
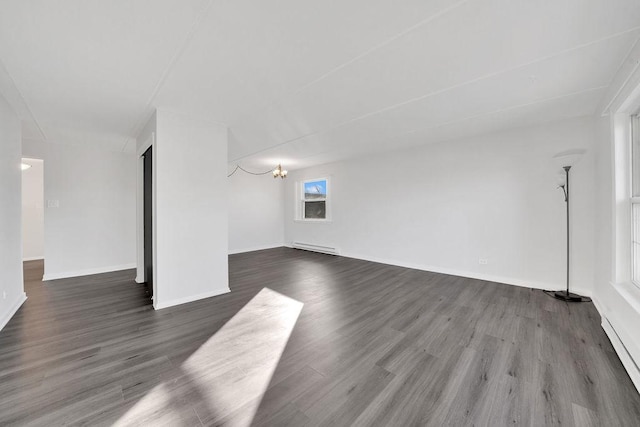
568, 158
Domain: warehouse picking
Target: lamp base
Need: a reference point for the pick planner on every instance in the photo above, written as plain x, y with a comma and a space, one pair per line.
567, 296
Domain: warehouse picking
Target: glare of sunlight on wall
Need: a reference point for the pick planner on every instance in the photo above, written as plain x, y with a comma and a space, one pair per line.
229, 372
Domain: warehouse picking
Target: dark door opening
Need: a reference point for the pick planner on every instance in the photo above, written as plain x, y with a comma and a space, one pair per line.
148, 221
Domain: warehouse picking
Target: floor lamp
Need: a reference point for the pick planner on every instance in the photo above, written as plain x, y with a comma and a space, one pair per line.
566, 160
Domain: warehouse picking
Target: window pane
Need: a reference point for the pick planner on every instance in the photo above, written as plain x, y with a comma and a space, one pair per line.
635, 155
315, 210
636, 243
315, 189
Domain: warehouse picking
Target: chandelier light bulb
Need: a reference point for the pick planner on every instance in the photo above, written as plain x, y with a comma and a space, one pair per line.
278, 172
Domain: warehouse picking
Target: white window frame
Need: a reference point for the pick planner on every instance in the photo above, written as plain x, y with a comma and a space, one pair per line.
634, 139
624, 264
300, 196
620, 307
622, 207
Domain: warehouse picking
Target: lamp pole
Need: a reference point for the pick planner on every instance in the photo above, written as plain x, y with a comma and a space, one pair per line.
566, 160
566, 295
566, 199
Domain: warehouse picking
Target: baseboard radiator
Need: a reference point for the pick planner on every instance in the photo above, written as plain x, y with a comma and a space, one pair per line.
626, 358
315, 248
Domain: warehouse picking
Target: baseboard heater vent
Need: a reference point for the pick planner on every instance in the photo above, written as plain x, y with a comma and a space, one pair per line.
315, 248
626, 358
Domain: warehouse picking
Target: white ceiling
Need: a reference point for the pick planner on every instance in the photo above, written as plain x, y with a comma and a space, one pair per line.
307, 82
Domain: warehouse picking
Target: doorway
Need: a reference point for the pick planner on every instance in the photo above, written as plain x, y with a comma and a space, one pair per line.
33, 217
148, 219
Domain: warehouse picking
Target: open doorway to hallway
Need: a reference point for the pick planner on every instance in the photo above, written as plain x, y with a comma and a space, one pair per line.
32, 210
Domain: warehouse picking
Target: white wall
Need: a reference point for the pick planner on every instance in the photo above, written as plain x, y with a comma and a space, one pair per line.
256, 211
442, 207
11, 286
93, 228
604, 260
33, 210
191, 241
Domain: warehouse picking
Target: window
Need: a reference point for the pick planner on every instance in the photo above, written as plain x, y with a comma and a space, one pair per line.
626, 197
315, 200
635, 198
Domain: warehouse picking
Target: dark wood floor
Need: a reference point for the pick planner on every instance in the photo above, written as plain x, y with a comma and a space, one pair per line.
309, 339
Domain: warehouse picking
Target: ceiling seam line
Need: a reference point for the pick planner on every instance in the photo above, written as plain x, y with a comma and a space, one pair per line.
553, 98
626, 57
444, 90
367, 52
480, 135
24, 101
493, 74
382, 44
514, 107
605, 110
457, 86
163, 78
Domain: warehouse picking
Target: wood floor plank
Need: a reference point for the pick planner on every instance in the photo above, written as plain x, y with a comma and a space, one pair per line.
309, 339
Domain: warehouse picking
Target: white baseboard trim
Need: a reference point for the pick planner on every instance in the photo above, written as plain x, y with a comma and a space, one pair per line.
160, 305
255, 248
32, 258
87, 272
621, 339
14, 308
329, 250
471, 275
599, 306
623, 353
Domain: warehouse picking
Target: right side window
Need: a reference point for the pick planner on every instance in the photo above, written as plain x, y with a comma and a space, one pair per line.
635, 198
315, 199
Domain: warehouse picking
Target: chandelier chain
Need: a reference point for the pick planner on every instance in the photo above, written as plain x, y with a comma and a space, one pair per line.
249, 172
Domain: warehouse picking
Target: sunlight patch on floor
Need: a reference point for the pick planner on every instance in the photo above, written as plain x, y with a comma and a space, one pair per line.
230, 372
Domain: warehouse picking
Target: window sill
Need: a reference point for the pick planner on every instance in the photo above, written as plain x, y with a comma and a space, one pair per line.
630, 293
313, 221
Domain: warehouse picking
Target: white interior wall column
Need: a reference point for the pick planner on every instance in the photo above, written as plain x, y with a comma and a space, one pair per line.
190, 217
11, 284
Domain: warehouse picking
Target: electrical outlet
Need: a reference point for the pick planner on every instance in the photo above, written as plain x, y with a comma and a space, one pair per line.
4, 294
483, 261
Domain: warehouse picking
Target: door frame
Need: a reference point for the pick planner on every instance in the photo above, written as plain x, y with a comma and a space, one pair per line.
140, 269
